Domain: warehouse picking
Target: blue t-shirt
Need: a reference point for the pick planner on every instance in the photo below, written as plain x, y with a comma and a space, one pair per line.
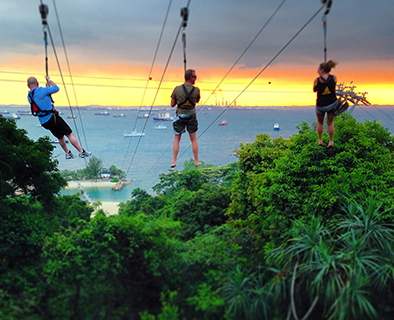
43, 100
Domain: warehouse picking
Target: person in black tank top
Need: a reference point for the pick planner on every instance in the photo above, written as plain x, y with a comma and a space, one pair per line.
326, 100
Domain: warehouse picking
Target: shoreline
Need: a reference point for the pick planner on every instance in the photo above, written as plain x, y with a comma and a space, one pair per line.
109, 207
86, 184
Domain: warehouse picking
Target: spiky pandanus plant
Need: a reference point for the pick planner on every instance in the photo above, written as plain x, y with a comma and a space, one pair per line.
340, 271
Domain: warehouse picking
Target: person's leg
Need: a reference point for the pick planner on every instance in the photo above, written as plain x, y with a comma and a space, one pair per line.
175, 149
62, 142
320, 123
74, 142
193, 139
331, 129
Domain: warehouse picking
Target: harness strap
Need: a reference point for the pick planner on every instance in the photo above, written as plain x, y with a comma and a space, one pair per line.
188, 99
34, 104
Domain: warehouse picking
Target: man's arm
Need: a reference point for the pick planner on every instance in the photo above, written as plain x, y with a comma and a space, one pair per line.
199, 96
173, 102
173, 98
50, 84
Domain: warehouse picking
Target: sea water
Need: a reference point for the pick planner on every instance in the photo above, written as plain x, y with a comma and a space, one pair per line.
145, 158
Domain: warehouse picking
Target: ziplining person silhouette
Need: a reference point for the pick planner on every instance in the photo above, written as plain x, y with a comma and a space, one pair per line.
42, 106
326, 100
185, 98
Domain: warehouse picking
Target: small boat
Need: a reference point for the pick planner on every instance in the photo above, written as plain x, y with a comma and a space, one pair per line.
160, 127
223, 123
134, 134
57, 141
24, 113
144, 116
105, 113
5, 112
163, 117
276, 127
71, 117
13, 116
122, 115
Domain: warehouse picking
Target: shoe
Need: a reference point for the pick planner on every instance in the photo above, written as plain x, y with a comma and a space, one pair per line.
70, 155
85, 154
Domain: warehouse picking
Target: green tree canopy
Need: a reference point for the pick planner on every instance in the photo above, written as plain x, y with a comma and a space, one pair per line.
27, 164
94, 168
281, 181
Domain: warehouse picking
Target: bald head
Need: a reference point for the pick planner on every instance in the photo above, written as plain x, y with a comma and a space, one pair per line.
32, 83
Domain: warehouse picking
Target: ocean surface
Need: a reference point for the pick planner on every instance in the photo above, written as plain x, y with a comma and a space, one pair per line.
145, 158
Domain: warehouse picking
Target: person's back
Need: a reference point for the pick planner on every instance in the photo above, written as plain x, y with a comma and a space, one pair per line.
185, 98
49, 118
42, 98
325, 89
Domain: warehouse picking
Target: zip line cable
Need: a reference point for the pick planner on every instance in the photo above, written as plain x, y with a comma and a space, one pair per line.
158, 88
64, 84
384, 113
366, 111
69, 71
243, 53
163, 88
185, 17
262, 70
228, 72
149, 76
153, 62
327, 4
44, 11
105, 78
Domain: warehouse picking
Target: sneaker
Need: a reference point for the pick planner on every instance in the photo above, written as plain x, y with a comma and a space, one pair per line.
85, 154
70, 155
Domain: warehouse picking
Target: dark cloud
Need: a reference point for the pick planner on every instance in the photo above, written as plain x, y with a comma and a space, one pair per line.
217, 33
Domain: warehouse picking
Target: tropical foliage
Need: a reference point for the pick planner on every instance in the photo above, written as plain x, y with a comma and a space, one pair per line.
93, 170
291, 231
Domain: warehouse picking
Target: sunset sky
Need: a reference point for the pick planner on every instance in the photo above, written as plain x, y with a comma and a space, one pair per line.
111, 46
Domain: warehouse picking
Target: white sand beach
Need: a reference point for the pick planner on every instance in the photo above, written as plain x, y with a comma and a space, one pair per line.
109, 207
90, 184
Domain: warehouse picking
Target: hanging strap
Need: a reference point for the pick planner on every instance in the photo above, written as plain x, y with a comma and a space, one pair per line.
184, 50
327, 4
325, 37
44, 12
185, 17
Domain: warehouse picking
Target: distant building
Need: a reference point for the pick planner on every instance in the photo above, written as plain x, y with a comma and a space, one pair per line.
105, 174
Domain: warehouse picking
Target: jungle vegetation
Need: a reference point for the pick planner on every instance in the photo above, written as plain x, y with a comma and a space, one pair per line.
290, 231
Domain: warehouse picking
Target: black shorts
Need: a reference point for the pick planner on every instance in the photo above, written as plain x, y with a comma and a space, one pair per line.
190, 123
57, 126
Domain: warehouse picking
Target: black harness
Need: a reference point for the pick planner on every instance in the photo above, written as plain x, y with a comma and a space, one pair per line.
35, 109
188, 103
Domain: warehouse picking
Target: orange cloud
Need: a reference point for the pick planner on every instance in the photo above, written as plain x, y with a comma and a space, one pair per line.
123, 84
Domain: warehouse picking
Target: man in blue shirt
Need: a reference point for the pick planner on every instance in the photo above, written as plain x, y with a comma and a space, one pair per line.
49, 117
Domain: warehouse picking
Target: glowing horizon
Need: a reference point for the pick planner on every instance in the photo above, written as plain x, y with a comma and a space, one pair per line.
123, 85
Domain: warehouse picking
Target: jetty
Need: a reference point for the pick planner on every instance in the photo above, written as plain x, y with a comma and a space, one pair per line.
84, 193
118, 186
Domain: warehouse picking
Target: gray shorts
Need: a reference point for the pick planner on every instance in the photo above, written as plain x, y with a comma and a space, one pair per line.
181, 122
328, 109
